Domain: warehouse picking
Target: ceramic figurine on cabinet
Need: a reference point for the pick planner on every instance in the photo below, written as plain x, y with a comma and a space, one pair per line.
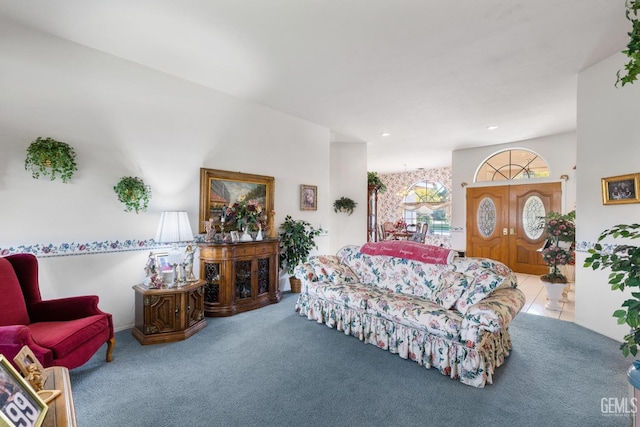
188, 264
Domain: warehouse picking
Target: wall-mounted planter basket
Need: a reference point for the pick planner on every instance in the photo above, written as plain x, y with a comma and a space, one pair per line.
344, 204
134, 193
46, 156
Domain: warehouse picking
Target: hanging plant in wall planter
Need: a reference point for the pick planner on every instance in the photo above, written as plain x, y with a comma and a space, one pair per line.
134, 193
344, 204
632, 68
46, 156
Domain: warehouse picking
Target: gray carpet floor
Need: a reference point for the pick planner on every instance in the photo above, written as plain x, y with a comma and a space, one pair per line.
272, 367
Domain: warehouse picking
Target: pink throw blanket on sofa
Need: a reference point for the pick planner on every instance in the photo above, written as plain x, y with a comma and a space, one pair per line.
410, 250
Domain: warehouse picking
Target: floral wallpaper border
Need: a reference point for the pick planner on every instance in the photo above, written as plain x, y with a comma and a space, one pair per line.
107, 246
67, 249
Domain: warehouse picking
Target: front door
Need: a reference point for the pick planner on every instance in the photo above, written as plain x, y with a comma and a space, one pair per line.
502, 223
487, 222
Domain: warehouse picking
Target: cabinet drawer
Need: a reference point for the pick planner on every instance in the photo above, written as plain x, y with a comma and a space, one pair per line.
213, 252
244, 250
264, 249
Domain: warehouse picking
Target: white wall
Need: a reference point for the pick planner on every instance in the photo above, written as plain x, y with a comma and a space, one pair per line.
125, 119
347, 180
608, 129
559, 151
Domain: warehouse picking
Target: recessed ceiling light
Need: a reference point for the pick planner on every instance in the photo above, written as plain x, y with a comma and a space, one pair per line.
492, 127
384, 134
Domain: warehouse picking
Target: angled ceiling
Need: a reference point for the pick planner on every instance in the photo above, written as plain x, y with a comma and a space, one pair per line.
432, 73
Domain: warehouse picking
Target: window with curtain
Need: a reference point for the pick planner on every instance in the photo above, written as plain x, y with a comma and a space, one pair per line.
428, 202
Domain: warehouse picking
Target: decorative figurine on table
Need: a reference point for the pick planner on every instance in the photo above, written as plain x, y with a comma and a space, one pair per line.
259, 235
153, 280
210, 228
189, 253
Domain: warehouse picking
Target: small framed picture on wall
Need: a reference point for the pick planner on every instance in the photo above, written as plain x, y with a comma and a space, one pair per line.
620, 189
308, 197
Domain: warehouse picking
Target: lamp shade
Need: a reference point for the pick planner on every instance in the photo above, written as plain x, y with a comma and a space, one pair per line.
174, 227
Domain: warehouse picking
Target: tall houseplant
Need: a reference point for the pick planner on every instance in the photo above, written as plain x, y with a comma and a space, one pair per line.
47, 156
297, 238
558, 251
624, 263
134, 193
560, 235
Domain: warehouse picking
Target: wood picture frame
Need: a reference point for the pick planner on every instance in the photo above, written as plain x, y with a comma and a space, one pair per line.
308, 197
20, 405
31, 368
621, 189
219, 189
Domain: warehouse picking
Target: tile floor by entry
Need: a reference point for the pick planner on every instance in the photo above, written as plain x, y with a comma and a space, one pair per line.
536, 296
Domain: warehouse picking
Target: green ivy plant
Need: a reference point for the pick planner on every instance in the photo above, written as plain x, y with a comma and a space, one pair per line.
374, 180
134, 193
47, 156
344, 204
632, 68
624, 263
297, 238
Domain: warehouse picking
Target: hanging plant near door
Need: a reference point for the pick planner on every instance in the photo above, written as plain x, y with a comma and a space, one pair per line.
47, 156
134, 193
632, 68
344, 204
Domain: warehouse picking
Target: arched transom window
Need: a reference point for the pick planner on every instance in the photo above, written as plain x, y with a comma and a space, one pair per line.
512, 164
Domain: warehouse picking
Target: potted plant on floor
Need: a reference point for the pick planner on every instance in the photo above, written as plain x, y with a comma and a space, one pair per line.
558, 251
344, 204
297, 238
47, 156
134, 193
624, 263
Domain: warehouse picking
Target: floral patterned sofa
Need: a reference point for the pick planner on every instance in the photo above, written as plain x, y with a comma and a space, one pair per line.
453, 316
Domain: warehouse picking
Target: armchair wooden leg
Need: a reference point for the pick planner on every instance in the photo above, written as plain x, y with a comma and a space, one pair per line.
110, 345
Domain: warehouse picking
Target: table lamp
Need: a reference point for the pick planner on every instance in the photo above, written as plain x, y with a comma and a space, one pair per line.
174, 227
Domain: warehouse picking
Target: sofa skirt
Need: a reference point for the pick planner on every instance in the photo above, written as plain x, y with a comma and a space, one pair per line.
473, 364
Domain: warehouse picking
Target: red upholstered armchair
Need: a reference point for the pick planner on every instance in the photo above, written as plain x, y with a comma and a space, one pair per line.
60, 332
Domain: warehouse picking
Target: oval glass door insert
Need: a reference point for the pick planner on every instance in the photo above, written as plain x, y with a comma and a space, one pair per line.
532, 216
486, 217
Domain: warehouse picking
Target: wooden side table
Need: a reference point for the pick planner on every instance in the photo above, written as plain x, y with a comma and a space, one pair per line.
61, 412
168, 314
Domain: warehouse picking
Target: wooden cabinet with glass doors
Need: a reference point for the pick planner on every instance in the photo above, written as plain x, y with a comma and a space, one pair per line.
239, 276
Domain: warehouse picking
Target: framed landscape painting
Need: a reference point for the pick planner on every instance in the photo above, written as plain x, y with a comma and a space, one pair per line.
219, 189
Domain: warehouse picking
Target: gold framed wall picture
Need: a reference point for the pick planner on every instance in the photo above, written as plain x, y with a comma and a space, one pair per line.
20, 405
219, 189
308, 197
621, 189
